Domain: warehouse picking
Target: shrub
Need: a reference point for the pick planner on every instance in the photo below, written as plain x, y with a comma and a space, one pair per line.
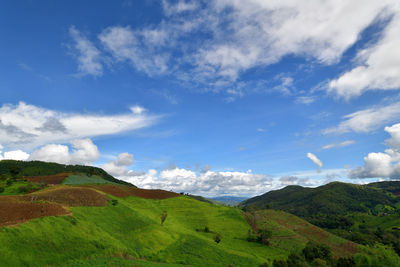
114, 202
206, 229
1, 190
25, 188
345, 262
313, 251
9, 182
163, 217
217, 238
279, 263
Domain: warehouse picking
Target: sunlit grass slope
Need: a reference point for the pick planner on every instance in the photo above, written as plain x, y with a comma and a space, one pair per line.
132, 227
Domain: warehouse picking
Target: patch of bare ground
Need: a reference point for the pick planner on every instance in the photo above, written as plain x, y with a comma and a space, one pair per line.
69, 196
49, 179
13, 211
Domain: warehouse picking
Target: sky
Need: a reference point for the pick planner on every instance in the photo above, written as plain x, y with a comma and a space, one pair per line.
205, 97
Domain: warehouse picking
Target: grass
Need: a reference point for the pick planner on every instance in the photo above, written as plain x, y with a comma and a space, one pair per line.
130, 234
133, 227
79, 179
15, 187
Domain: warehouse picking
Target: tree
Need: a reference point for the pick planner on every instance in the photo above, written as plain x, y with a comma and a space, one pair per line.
1, 190
263, 236
14, 171
314, 250
217, 238
163, 217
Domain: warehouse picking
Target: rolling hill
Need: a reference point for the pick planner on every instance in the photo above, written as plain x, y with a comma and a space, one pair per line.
76, 218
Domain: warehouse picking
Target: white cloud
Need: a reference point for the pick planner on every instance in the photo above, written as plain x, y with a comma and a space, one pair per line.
378, 67
314, 159
138, 109
27, 126
341, 144
119, 166
88, 56
15, 155
381, 164
139, 47
83, 152
235, 36
367, 120
179, 7
306, 100
260, 33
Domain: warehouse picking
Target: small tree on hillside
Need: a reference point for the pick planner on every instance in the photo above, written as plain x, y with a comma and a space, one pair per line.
163, 217
217, 238
14, 171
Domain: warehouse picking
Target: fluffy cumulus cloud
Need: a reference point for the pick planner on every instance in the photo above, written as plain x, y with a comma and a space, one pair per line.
14, 154
79, 151
378, 64
216, 183
235, 36
382, 164
27, 126
83, 152
366, 120
119, 166
314, 159
88, 56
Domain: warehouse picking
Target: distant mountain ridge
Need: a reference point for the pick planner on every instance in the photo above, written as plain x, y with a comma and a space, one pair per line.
229, 200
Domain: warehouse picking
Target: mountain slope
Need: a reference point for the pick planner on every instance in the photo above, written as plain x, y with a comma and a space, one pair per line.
333, 198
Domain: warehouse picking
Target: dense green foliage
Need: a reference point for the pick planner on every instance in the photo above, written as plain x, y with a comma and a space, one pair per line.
16, 187
18, 169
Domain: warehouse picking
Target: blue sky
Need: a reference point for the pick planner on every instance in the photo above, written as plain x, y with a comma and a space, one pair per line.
213, 98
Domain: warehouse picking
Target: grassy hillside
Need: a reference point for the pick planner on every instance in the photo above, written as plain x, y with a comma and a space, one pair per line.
132, 227
128, 231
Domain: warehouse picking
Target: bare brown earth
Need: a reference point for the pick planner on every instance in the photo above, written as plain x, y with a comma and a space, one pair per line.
49, 179
126, 191
69, 196
13, 211
49, 202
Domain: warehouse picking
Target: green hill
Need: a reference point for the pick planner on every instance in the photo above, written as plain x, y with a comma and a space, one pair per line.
333, 198
8, 168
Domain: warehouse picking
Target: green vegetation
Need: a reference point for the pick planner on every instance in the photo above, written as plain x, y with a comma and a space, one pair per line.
16, 187
365, 214
333, 199
133, 228
17, 169
79, 179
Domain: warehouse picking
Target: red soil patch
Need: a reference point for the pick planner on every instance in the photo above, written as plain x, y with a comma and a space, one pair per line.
69, 196
50, 179
126, 191
15, 212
